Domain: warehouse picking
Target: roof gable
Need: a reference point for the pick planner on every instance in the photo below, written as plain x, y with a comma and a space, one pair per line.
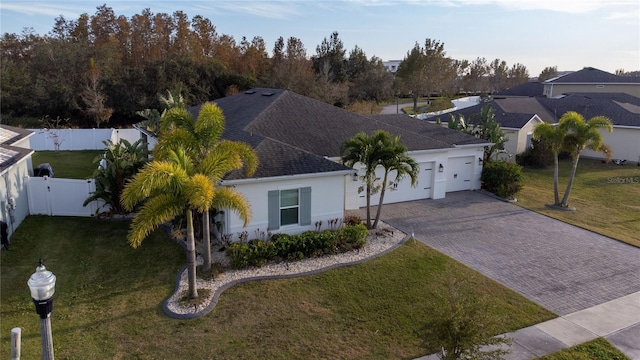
590, 75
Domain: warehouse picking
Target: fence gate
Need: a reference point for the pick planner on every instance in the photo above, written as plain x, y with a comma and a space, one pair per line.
60, 197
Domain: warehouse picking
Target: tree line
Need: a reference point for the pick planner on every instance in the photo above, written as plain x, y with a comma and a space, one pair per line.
99, 70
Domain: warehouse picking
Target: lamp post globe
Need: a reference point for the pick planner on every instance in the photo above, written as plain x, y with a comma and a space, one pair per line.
42, 285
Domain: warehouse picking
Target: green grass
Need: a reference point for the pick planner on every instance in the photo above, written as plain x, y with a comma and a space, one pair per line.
598, 349
606, 196
69, 164
108, 301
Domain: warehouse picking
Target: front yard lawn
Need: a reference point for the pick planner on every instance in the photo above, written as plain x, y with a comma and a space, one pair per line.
69, 164
598, 349
108, 301
606, 196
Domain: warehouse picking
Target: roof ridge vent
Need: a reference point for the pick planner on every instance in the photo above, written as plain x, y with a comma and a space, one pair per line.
267, 93
249, 92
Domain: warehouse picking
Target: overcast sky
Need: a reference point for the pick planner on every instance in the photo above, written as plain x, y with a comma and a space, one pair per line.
570, 34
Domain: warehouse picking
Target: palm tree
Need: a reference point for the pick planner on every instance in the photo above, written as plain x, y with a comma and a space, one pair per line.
170, 188
580, 135
395, 158
365, 150
379, 149
554, 136
212, 156
118, 164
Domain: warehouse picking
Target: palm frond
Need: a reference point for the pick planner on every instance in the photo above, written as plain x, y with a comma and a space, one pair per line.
229, 198
157, 210
199, 192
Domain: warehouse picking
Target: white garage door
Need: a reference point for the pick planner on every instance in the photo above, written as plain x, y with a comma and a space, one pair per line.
459, 173
403, 191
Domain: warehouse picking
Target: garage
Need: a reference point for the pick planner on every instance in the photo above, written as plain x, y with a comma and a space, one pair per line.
459, 173
402, 191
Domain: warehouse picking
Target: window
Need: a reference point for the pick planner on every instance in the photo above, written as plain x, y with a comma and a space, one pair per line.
289, 207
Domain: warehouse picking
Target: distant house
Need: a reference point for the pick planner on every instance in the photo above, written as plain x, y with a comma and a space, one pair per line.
15, 167
622, 109
590, 92
300, 179
591, 80
392, 65
517, 117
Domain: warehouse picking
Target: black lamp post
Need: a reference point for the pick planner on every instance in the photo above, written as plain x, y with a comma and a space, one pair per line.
42, 285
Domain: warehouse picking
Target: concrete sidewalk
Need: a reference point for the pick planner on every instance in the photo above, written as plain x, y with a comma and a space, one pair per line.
617, 320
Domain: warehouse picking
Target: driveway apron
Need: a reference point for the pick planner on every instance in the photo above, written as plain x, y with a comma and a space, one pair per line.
559, 266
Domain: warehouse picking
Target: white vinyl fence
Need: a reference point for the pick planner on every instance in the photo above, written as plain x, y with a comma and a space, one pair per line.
79, 139
61, 197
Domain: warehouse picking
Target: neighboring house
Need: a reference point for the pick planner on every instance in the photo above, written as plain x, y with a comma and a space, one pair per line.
15, 167
392, 65
591, 80
590, 92
300, 180
622, 109
517, 117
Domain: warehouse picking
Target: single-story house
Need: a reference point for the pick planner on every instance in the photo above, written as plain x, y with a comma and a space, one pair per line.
517, 117
300, 180
15, 167
591, 80
623, 110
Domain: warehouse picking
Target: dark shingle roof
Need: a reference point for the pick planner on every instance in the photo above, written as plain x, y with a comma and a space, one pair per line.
591, 75
511, 116
292, 134
531, 88
617, 106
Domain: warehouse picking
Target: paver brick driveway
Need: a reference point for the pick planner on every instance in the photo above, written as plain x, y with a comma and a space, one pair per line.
561, 267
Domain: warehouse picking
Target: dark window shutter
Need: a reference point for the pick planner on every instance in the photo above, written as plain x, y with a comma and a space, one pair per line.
305, 206
274, 210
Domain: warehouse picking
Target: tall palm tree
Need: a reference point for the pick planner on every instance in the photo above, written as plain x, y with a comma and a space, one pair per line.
200, 139
379, 149
580, 135
368, 151
395, 159
169, 188
554, 136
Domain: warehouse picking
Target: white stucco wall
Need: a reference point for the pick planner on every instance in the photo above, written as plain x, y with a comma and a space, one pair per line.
13, 186
625, 143
327, 202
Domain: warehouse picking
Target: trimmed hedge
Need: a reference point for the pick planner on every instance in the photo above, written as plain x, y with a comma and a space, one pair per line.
502, 178
297, 247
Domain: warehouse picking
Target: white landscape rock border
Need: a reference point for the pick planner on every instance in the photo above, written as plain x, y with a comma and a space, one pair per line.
380, 241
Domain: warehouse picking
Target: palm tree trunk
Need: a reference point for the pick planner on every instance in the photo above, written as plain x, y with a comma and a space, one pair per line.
574, 167
206, 239
382, 191
191, 256
368, 206
556, 196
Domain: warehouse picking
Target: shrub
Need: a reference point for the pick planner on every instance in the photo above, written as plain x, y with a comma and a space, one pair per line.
296, 247
352, 237
352, 220
538, 156
502, 178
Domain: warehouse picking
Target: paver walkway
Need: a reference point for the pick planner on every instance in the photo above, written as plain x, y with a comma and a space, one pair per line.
562, 267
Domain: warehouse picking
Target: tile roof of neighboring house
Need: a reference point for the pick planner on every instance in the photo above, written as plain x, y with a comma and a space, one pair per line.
531, 88
591, 75
622, 109
293, 134
9, 154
